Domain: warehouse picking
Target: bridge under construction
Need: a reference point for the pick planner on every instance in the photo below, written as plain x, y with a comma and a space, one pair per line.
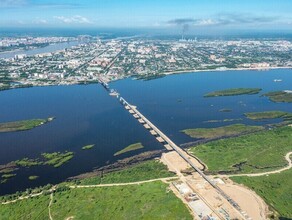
169, 144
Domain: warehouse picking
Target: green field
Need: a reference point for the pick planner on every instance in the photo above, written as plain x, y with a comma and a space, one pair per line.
131, 147
88, 147
266, 115
33, 208
253, 153
225, 131
22, 125
151, 200
279, 96
275, 189
234, 92
151, 169
146, 201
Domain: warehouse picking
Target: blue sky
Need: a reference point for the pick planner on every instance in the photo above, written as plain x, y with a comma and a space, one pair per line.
185, 14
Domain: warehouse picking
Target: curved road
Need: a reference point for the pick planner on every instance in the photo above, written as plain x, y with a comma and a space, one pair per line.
124, 184
287, 157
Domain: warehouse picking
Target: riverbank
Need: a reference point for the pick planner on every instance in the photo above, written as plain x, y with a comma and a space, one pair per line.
66, 83
225, 69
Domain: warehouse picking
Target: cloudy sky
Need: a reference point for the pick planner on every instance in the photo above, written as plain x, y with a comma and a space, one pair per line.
185, 14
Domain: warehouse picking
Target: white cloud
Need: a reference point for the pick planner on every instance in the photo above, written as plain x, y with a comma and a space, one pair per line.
76, 19
205, 22
40, 21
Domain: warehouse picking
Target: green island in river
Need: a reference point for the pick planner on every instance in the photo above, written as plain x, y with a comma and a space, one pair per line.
280, 96
224, 131
268, 115
234, 92
23, 125
88, 147
57, 159
131, 147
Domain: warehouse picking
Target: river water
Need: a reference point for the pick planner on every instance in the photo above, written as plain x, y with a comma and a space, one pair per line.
48, 49
86, 114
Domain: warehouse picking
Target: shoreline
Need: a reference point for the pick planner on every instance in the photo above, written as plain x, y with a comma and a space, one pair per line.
163, 73
224, 70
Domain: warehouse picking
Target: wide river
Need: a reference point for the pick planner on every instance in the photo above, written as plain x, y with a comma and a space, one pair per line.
86, 114
47, 49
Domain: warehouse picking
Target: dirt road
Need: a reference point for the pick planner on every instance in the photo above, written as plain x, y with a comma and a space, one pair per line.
287, 157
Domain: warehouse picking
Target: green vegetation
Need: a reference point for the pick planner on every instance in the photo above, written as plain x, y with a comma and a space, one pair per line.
151, 200
252, 153
33, 208
22, 125
266, 115
7, 170
130, 148
224, 120
145, 201
225, 110
88, 147
275, 189
33, 177
149, 77
225, 131
144, 171
8, 175
279, 96
25, 162
233, 92
57, 159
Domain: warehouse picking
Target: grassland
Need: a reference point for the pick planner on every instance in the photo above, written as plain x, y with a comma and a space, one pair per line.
266, 115
88, 147
57, 159
233, 92
151, 200
252, 153
274, 189
131, 147
279, 96
144, 171
145, 201
33, 208
225, 131
22, 125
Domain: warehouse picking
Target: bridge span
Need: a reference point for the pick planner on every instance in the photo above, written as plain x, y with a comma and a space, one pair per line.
170, 145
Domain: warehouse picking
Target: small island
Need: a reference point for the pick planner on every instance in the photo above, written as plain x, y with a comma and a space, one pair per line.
57, 159
23, 125
26, 162
33, 177
225, 131
88, 147
234, 92
131, 147
280, 96
225, 110
266, 115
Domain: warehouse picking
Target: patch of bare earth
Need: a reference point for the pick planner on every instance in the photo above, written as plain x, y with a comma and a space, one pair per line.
247, 199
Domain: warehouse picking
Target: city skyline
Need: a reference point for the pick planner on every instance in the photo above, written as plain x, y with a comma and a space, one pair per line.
187, 16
